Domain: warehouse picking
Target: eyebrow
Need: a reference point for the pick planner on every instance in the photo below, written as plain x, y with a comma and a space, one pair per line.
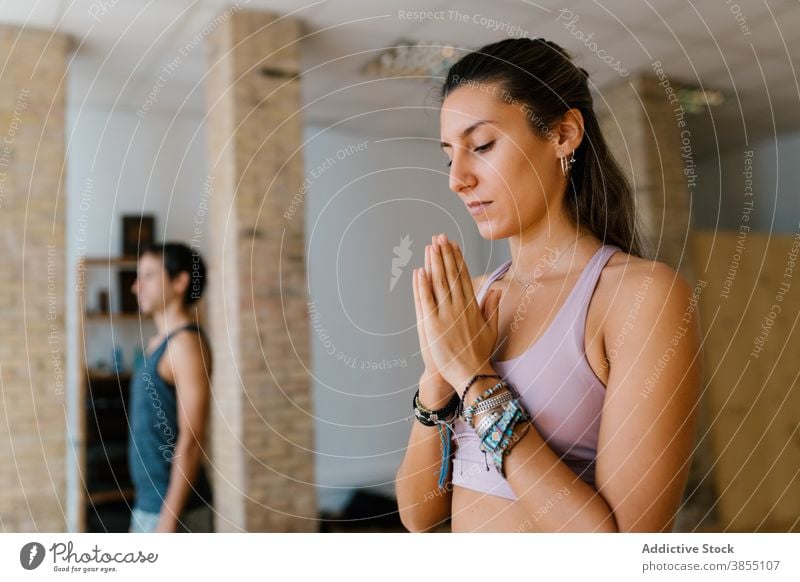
467, 131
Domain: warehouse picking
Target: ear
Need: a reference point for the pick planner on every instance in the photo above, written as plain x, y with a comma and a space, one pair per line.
568, 133
180, 283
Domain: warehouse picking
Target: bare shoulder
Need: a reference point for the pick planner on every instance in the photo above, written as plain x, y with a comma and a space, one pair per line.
626, 274
186, 344
654, 289
187, 350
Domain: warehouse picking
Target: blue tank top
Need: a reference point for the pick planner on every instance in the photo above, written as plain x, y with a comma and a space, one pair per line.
153, 434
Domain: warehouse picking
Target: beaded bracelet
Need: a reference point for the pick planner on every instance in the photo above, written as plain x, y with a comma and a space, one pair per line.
499, 455
496, 433
486, 424
500, 438
470, 383
432, 417
439, 418
489, 404
470, 411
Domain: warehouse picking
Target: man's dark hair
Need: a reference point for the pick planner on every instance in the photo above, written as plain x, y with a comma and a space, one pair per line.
177, 258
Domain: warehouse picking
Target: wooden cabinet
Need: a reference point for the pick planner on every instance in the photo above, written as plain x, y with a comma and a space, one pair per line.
105, 492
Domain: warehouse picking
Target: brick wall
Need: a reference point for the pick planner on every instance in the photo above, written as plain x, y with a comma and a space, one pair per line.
32, 289
644, 133
262, 434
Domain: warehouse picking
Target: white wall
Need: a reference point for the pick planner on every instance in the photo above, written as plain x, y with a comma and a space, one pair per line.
719, 201
118, 163
359, 208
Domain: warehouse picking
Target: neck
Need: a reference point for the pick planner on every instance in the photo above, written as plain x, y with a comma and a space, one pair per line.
540, 248
171, 317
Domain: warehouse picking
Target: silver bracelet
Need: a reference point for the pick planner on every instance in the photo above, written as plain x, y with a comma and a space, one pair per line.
487, 423
469, 412
493, 402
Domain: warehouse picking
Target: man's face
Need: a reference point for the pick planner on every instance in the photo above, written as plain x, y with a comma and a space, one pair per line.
153, 287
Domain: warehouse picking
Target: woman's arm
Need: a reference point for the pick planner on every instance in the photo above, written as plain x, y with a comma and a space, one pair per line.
647, 427
422, 504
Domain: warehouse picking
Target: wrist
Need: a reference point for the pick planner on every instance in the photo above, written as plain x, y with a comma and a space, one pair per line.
434, 391
167, 522
478, 386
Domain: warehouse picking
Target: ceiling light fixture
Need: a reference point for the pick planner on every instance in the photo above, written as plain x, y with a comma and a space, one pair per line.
414, 59
698, 100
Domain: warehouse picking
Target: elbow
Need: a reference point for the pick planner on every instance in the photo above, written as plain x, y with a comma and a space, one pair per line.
188, 447
415, 522
417, 518
412, 515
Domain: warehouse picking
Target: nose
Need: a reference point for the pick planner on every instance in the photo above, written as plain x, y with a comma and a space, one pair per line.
135, 287
461, 175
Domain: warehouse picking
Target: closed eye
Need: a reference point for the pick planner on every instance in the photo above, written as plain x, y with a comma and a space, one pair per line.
485, 147
481, 149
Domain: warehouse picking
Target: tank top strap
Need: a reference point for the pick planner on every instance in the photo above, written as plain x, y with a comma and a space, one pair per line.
584, 288
159, 351
491, 279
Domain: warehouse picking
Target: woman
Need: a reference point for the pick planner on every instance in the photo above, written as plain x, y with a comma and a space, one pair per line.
559, 392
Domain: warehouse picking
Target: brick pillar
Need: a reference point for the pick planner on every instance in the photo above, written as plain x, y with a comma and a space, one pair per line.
646, 131
649, 135
32, 289
263, 427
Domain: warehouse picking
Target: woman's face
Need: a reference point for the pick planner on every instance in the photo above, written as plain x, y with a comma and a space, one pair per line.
495, 157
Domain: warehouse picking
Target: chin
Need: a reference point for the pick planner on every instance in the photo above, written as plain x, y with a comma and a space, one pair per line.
491, 231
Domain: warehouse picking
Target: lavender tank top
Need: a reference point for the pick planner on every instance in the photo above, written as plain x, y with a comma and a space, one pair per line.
557, 387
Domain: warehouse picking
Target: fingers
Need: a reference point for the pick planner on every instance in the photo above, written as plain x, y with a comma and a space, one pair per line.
491, 303
428, 258
438, 277
427, 300
463, 273
417, 301
486, 305
423, 340
447, 270
450, 268
494, 322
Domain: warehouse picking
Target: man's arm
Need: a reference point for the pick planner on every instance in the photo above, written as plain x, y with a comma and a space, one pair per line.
188, 362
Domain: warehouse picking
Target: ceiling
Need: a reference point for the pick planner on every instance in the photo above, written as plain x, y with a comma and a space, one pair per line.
120, 53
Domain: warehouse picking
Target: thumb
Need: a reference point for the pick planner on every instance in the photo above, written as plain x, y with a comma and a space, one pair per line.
492, 311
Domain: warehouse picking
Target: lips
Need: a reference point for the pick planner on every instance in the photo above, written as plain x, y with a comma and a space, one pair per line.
478, 207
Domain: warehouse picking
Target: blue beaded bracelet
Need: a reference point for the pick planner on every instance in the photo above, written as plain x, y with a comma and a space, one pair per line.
498, 439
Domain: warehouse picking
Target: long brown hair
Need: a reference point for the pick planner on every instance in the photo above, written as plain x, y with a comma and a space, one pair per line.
540, 75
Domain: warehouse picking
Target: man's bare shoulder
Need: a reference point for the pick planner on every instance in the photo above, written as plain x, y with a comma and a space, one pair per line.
187, 349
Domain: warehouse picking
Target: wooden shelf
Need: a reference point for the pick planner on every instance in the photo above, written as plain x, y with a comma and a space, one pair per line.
112, 315
110, 495
102, 394
110, 261
103, 376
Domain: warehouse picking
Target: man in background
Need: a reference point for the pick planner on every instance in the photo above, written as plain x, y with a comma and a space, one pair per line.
169, 398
